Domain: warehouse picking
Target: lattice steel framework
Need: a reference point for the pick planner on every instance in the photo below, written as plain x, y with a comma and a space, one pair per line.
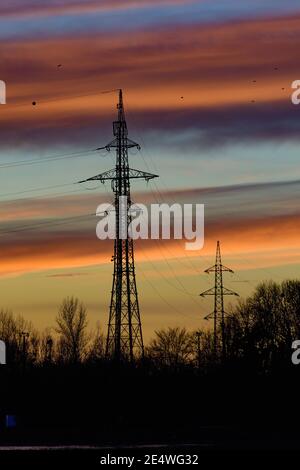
218, 291
124, 335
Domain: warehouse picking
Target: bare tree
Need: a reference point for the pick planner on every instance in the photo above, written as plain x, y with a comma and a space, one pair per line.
71, 326
171, 347
47, 352
21, 339
261, 328
97, 345
203, 347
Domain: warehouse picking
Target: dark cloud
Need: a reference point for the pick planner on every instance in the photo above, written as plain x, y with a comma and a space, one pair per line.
64, 275
36, 8
231, 92
198, 128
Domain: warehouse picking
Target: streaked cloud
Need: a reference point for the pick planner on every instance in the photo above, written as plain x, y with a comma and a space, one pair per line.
207, 84
170, 87
56, 7
254, 219
63, 275
31, 18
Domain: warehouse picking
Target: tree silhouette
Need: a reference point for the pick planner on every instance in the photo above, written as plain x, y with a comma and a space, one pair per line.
97, 345
172, 347
203, 347
71, 326
11, 328
261, 328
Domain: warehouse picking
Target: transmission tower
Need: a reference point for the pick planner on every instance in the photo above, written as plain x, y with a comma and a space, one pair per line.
124, 335
218, 291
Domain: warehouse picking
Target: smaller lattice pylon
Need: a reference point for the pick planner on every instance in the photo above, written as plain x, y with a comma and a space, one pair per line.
218, 291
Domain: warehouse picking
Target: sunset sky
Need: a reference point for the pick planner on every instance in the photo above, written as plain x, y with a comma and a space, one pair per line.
207, 92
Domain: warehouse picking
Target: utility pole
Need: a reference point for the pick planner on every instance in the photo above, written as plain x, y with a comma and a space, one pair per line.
124, 335
49, 347
218, 291
198, 338
24, 335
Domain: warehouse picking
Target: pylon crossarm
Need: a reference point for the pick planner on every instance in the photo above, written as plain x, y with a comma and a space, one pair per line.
209, 316
107, 175
218, 315
141, 174
112, 175
208, 292
224, 268
128, 143
229, 292
212, 269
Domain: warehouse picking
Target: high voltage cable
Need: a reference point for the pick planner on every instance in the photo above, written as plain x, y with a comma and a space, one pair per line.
168, 281
36, 189
160, 246
163, 277
43, 196
49, 159
159, 294
65, 220
172, 198
42, 188
75, 155
197, 270
61, 98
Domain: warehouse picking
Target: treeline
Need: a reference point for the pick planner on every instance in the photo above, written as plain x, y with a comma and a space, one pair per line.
60, 386
69, 341
259, 332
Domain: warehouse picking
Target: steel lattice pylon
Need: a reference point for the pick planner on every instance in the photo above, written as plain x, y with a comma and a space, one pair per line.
218, 291
124, 335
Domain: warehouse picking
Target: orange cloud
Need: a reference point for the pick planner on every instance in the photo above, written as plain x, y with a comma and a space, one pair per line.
258, 240
239, 216
208, 66
213, 78
73, 7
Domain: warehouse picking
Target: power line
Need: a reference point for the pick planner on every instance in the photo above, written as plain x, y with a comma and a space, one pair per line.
48, 159
41, 189
162, 197
65, 220
159, 294
36, 189
60, 98
168, 280
172, 198
43, 196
